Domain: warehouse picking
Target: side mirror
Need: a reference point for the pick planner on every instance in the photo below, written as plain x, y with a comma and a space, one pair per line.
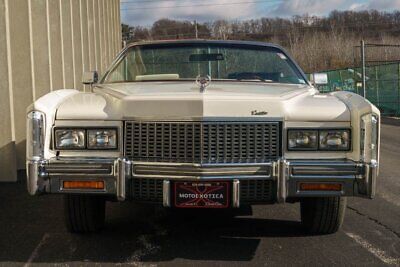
319, 78
90, 77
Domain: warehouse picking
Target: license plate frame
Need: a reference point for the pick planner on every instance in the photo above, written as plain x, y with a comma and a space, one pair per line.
202, 195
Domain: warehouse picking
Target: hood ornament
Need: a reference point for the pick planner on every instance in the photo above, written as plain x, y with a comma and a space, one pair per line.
203, 82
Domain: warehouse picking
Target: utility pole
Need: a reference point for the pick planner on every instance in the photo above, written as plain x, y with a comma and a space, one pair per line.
196, 30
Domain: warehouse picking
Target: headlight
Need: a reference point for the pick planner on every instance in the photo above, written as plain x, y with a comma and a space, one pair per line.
102, 139
35, 135
303, 140
70, 139
319, 139
334, 140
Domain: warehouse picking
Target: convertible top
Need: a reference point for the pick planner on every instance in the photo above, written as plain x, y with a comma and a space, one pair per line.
204, 41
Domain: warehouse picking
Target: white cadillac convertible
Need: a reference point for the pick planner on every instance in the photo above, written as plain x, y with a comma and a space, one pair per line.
203, 125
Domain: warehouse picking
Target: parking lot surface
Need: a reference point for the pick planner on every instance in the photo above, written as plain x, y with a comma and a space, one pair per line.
32, 231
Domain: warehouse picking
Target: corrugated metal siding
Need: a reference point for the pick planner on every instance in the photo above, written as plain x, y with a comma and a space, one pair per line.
46, 45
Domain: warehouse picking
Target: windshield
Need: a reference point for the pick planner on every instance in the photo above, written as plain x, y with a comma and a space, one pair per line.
189, 61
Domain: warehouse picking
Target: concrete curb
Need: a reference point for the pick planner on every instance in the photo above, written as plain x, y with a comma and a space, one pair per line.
391, 121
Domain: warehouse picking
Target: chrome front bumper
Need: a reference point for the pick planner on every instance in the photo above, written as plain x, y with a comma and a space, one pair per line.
357, 179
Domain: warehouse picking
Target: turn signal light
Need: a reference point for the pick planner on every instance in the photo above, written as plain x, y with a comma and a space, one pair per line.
83, 185
320, 187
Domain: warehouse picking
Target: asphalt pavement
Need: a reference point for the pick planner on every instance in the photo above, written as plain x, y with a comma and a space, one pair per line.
32, 231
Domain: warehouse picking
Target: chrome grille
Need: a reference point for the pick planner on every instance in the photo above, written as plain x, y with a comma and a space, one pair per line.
256, 191
203, 142
149, 190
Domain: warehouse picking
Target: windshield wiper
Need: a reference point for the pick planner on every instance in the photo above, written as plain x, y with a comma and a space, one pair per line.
255, 77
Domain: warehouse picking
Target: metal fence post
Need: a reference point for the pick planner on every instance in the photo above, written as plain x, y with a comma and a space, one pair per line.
398, 91
364, 78
377, 86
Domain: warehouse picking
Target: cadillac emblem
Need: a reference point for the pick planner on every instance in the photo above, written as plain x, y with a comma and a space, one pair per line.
259, 113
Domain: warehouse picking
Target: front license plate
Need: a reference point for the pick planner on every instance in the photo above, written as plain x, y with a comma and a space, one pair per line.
211, 195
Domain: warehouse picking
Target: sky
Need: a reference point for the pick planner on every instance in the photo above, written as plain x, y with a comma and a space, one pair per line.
145, 12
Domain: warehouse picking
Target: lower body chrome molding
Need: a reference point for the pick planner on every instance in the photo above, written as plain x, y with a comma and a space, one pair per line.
279, 179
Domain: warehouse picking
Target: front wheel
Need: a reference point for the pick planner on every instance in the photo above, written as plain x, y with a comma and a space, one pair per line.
83, 213
323, 215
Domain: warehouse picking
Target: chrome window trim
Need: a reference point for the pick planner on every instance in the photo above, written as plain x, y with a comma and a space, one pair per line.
253, 44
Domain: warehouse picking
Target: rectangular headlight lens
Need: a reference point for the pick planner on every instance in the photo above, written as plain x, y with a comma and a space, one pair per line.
334, 140
303, 140
102, 139
70, 139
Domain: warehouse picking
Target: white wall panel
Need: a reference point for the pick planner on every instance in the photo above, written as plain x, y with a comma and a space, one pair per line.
20, 71
7, 144
46, 45
66, 36
55, 44
39, 49
84, 38
76, 43
91, 35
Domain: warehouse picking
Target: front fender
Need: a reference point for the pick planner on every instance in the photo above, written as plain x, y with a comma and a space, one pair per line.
48, 105
358, 107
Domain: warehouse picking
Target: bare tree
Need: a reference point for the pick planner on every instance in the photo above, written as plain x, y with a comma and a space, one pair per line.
317, 43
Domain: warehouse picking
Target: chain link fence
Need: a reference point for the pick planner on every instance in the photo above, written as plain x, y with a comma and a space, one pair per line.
382, 85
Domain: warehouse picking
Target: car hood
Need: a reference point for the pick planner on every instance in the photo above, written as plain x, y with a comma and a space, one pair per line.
183, 100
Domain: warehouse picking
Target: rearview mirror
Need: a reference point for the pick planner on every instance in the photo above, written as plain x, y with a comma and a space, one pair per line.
319, 78
205, 57
90, 77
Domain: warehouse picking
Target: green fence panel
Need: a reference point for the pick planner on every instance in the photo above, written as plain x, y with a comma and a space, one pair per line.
383, 85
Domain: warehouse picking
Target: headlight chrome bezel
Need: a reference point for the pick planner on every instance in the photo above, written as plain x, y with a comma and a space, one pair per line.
318, 147
86, 138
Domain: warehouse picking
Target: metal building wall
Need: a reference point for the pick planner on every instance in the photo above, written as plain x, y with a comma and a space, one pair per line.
46, 45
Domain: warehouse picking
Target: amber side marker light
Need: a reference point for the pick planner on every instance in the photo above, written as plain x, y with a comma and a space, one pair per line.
320, 187
83, 185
